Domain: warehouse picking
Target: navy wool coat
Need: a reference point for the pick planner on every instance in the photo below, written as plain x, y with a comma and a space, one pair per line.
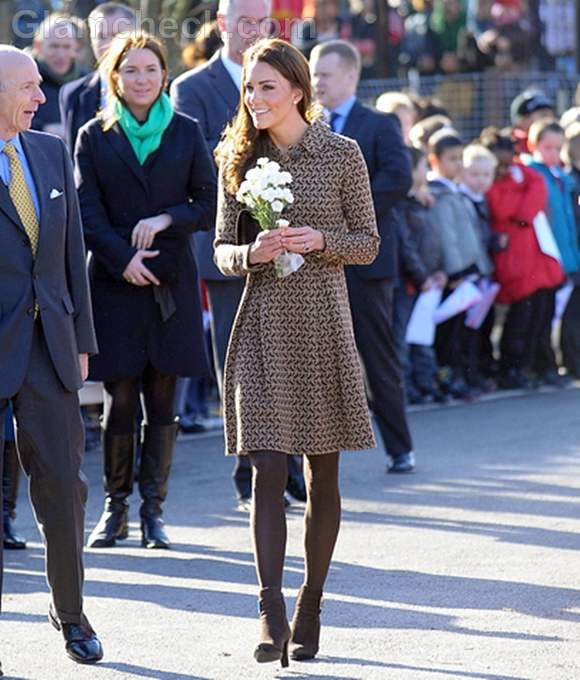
139, 325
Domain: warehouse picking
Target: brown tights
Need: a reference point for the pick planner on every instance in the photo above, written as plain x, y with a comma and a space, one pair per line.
268, 519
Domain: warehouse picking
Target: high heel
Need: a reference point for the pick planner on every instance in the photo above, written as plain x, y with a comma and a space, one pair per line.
305, 638
275, 631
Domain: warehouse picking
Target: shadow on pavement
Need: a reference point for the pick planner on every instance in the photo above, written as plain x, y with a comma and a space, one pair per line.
414, 669
141, 672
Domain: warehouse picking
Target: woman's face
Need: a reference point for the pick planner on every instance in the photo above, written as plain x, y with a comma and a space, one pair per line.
269, 97
140, 78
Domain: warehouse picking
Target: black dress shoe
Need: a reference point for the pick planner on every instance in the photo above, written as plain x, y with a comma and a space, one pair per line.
191, 425
12, 540
153, 534
82, 644
404, 463
244, 504
553, 379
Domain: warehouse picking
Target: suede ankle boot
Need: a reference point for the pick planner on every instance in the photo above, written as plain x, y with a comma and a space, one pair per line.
274, 629
305, 637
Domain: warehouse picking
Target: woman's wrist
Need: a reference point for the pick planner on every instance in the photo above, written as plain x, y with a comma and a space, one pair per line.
167, 220
319, 243
252, 255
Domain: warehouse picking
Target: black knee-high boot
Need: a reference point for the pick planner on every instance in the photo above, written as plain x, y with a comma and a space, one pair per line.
119, 455
156, 457
10, 482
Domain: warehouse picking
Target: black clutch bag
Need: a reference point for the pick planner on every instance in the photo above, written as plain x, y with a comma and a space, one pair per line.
247, 228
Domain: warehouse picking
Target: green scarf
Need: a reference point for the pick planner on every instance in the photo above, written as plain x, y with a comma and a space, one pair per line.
145, 138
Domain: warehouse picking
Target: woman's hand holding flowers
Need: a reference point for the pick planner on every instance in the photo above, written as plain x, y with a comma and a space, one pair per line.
266, 247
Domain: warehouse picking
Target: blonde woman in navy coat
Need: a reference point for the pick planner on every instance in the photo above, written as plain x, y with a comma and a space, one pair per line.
146, 181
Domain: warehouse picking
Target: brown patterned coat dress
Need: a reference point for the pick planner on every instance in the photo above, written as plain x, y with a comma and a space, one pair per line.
293, 382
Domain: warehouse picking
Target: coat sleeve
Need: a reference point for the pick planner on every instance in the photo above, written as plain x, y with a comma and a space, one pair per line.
102, 240
392, 179
76, 268
230, 258
412, 262
198, 213
358, 242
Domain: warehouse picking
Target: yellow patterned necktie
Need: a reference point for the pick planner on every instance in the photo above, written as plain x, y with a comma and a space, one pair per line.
21, 197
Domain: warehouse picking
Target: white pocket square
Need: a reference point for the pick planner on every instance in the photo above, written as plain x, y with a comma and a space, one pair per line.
55, 193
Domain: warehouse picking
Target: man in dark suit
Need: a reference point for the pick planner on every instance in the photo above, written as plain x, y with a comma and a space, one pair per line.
211, 93
335, 67
80, 100
46, 336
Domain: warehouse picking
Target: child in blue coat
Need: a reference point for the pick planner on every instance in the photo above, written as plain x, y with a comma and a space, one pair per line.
546, 141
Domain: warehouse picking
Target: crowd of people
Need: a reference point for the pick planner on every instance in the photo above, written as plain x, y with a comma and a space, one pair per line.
472, 215
487, 229
430, 36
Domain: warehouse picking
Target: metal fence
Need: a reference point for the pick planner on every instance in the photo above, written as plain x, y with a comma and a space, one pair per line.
476, 100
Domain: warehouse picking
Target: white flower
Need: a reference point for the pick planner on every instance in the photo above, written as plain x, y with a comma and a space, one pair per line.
245, 187
253, 174
284, 177
277, 206
269, 195
282, 223
262, 161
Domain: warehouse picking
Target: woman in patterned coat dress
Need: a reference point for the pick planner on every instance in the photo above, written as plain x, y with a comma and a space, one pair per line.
293, 382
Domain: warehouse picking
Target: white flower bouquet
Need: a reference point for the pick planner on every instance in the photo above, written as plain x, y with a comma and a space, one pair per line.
265, 193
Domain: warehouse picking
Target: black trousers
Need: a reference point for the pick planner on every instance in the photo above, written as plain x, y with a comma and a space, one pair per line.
570, 341
526, 342
50, 439
224, 299
371, 304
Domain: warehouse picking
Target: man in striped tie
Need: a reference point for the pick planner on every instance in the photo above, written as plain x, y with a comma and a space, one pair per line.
46, 335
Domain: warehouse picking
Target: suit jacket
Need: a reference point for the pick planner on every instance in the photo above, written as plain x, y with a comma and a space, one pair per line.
115, 192
209, 95
56, 278
389, 166
79, 102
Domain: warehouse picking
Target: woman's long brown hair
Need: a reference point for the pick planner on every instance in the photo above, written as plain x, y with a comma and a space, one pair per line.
242, 143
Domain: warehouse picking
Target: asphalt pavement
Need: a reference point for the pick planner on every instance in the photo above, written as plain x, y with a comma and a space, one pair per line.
467, 570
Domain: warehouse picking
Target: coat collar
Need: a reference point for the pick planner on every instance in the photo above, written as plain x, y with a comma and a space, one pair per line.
91, 89
223, 81
352, 125
316, 136
122, 147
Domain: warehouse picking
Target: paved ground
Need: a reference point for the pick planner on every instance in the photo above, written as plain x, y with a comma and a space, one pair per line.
469, 569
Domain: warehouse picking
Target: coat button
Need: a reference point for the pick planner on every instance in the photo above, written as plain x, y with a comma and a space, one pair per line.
30, 311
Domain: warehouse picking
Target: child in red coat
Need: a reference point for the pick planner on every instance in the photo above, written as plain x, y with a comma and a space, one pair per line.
524, 272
